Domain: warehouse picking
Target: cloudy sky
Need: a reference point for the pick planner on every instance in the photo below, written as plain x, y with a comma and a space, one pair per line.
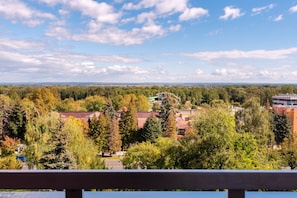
148, 41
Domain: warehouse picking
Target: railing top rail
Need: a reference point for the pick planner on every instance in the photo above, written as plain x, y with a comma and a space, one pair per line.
149, 179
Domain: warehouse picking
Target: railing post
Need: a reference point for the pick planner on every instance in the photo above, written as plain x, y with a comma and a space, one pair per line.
70, 193
235, 193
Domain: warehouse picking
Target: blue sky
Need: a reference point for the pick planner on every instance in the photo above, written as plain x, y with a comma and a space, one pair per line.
139, 41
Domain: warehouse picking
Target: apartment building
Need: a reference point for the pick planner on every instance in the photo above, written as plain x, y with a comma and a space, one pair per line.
286, 104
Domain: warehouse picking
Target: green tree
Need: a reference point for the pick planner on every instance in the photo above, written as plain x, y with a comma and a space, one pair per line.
257, 120
126, 100
17, 122
288, 154
144, 156
170, 127
156, 107
209, 95
248, 155
168, 106
115, 140
37, 137
70, 105
128, 124
5, 104
98, 131
142, 104
83, 148
45, 99
215, 129
59, 156
152, 129
10, 163
281, 128
94, 103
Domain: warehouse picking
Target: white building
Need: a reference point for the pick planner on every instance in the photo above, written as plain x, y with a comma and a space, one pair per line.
287, 100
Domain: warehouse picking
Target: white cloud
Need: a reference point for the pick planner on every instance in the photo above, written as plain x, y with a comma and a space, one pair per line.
293, 9
52, 2
127, 20
278, 18
169, 6
175, 28
28, 61
161, 6
112, 34
259, 10
231, 12
226, 72
106, 25
102, 12
199, 72
237, 54
58, 32
193, 13
16, 10
126, 69
146, 17
9, 44
131, 6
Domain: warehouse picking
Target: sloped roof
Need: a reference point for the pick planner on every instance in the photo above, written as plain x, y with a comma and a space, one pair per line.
79, 115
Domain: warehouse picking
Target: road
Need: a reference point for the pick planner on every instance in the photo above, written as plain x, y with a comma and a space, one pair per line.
114, 164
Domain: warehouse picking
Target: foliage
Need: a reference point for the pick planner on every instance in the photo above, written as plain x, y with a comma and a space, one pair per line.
45, 99
83, 149
128, 125
115, 140
167, 116
253, 123
36, 138
142, 104
144, 156
70, 105
257, 120
248, 155
17, 122
281, 128
9, 146
94, 103
170, 127
9, 163
288, 154
59, 156
113, 133
5, 104
152, 129
98, 131
168, 148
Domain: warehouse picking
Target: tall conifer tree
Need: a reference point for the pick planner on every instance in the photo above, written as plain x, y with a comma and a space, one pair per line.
128, 124
115, 141
152, 129
170, 127
59, 156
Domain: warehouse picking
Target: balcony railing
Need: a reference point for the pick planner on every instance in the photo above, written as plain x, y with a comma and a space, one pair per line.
74, 182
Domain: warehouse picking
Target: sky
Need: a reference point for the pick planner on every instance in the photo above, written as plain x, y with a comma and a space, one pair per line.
148, 41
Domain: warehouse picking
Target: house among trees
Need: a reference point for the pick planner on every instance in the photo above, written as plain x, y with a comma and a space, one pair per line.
183, 118
83, 116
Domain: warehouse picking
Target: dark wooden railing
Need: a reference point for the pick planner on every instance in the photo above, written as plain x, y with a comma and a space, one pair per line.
74, 182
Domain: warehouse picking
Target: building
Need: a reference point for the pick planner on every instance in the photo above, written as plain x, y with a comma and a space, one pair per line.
83, 116
183, 118
286, 104
285, 100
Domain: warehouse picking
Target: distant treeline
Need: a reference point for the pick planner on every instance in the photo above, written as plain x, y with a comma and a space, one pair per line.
197, 95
